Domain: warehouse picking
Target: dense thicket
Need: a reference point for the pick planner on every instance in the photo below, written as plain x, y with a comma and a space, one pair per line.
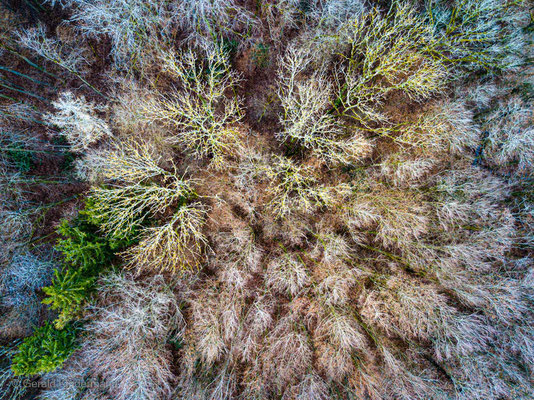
295, 200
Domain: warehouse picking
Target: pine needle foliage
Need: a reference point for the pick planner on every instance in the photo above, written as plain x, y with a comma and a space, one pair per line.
44, 351
68, 293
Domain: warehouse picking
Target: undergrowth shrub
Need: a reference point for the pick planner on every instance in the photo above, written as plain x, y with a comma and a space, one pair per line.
84, 246
81, 245
22, 159
87, 253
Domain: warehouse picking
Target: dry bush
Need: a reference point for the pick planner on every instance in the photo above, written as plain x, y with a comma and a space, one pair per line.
311, 387
486, 34
445, 127
396, 58
121, 210
177, 245
137, 28
76, 118
207, 328
510, 136
127, 120
287, 353
405, 382
490, 375
125, 162
10, 179
237, 257
201, 112
27, 271
294, 187
287, 274
20, 280
395, 217
126, 340
220, 384
305, 119
205, 19
132, 162
331, 14
333, 249
291, 231
336, 288
334, 274
250, 172
69, 55
143, 189
281, 16
398, 308
15, 230
406, 170
73, 382
338, 364
258, 319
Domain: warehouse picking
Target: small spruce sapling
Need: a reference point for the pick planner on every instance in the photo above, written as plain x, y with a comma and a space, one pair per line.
44, 351
68, 293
